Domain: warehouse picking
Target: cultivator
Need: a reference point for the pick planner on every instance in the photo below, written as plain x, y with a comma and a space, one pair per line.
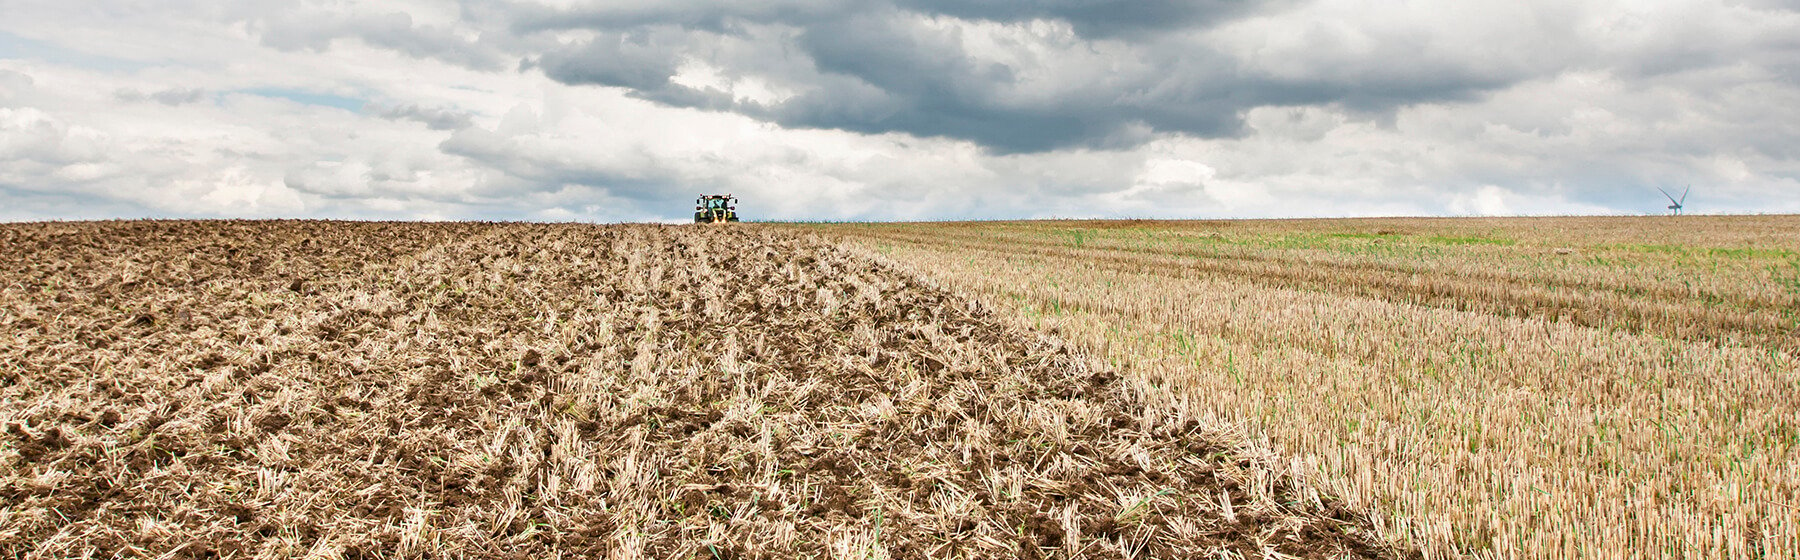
715, 209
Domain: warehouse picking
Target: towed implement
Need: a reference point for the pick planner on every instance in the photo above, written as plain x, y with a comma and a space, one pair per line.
715, 209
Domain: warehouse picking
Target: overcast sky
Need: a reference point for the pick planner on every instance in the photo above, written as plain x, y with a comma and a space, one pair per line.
899, 109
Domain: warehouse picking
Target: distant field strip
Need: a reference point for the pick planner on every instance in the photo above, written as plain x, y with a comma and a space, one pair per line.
1529, 388
1750, 306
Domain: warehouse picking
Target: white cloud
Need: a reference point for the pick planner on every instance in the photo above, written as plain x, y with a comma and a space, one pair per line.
1321, 108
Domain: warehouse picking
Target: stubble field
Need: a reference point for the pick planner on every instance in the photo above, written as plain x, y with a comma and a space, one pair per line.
379, 390
1507, 388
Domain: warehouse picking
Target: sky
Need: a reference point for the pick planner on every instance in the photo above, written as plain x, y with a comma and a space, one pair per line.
581, 110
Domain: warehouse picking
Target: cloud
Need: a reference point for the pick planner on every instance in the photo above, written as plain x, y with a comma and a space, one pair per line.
177, 96
643, 61
13, 86
1038, 76
1101, 18
435, 119
896, 109
304, 27
1011, 87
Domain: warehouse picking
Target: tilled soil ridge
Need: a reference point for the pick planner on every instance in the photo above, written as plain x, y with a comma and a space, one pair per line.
340, 390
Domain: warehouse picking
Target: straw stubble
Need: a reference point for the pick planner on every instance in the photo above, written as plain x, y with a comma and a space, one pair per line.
1537, 388
357, 390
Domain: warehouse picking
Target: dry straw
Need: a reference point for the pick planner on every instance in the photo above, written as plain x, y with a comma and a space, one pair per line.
358, 390
1529, 388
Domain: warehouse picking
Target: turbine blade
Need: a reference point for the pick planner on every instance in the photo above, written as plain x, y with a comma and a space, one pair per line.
1684, 195
1666, 193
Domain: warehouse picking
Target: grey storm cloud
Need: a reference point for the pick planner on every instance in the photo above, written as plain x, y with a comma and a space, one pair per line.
641, 61
1100, 18
1137, 69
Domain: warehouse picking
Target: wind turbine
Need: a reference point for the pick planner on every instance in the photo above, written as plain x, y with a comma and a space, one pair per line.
1675, 204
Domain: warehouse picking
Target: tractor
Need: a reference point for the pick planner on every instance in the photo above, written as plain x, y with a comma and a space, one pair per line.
715, 209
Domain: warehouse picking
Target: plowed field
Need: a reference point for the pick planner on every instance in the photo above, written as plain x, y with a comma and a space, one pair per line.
354, 390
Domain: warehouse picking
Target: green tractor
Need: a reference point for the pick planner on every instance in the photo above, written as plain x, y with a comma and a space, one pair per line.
715, 209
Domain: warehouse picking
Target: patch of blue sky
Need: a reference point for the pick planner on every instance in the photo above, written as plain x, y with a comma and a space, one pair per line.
22, 48
351, 104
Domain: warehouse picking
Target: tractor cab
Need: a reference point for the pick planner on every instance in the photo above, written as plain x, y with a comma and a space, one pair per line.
715, 209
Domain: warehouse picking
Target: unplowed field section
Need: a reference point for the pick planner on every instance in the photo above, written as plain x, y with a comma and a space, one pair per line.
284, 389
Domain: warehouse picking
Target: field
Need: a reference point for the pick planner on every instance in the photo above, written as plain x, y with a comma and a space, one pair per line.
381, 390
1511, 388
